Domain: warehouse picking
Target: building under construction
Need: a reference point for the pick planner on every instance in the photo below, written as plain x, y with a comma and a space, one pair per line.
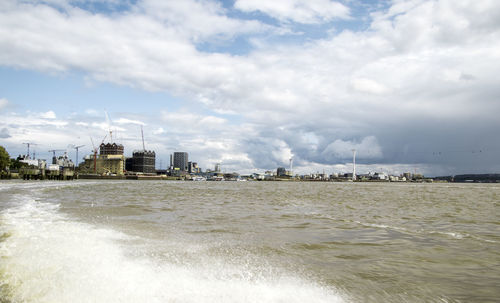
142, 161
110, 149
110, 160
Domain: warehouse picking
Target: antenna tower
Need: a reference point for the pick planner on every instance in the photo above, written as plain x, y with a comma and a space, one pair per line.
353, 165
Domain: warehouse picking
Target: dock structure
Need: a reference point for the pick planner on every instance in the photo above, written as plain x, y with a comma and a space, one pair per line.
30, 173
62, 168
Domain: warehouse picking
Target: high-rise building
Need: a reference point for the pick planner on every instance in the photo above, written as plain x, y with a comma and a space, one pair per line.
181, 161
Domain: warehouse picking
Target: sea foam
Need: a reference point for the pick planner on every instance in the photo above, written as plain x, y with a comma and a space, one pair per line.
47, 256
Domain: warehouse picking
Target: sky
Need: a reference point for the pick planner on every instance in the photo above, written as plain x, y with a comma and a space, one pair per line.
411, 85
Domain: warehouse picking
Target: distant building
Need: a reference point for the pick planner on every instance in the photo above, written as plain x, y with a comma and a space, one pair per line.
408, 175
281, 172
111, 149
110, 160
129, 164
63, 161
143, 161
217, 167
103, 165
380, 176
193, 168
180, 161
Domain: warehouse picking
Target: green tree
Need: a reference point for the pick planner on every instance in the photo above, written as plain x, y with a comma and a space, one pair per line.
4, 158
16, 164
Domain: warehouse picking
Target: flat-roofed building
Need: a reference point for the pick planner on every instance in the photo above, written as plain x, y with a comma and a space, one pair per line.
143, 161
181, 161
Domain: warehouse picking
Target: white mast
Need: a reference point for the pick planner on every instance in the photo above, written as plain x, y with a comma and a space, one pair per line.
353, 165
142, 134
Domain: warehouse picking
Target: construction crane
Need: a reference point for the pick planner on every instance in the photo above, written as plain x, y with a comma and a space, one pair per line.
28, 144
76, 147
94, 148
53, 151
108, 122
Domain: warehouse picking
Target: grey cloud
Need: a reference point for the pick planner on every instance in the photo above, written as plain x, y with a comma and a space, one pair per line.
400, 82
4, 133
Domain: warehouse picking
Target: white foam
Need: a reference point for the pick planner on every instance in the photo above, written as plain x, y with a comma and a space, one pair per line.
46, 257
383, 226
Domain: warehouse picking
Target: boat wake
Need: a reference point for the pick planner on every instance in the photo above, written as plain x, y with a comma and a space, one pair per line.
48, 257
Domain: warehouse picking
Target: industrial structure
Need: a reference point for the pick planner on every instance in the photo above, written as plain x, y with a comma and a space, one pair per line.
142, 161
62, 168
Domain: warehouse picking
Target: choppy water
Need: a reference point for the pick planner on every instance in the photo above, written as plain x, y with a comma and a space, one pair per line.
148, 241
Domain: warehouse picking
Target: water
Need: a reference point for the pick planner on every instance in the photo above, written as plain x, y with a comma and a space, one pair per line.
158, 241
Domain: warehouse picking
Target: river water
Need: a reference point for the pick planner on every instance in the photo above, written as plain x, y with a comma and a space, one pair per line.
165, 241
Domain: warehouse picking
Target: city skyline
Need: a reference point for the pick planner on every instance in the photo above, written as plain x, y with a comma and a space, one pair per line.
410, 85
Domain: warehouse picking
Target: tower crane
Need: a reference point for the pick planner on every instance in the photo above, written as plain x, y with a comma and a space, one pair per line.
28, 144
53, 151
76, 147
94, 148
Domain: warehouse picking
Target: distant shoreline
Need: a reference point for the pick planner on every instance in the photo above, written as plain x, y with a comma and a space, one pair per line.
466, 178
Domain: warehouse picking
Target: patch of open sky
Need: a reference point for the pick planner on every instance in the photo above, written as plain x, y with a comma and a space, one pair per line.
239, 46
105, 7
234, 119
292, 33
362, 10
71, 93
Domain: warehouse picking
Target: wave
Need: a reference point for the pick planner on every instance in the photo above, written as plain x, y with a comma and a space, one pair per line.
452, 234
48, 257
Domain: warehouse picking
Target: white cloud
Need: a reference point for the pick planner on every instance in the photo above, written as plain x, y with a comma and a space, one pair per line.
189, 122
159, 131
422, 65
198, 20
3, 103
48, 115
106, 127
368, 86
301, 11
128, 121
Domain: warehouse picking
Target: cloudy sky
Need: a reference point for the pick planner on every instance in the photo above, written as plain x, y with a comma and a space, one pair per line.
412, 85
